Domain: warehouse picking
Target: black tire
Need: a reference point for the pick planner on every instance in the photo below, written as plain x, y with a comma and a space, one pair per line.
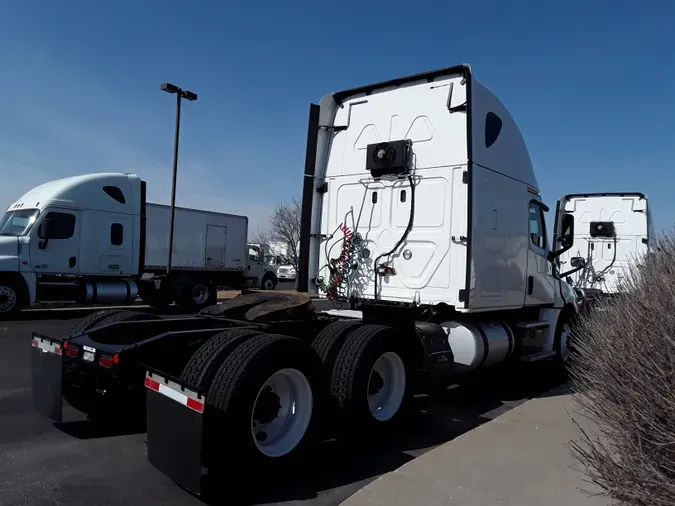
351, 373
558, 362
91, 321
14, 299
158, 299
329, 341
197, 295
268, 278
327, 345
127, 316
205, 361
233, 393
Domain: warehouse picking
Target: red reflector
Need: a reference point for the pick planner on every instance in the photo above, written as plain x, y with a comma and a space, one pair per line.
65, 345
105, 361
116, 359
151, 383
196, 405
35, 343
71, 351
58, 350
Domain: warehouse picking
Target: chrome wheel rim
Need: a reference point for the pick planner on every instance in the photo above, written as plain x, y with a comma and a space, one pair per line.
386, 386
281, 412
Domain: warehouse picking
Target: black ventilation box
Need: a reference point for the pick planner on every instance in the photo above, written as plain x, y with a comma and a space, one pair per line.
389, 158
602, 229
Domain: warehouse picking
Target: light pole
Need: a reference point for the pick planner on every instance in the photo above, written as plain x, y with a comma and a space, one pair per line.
180, 95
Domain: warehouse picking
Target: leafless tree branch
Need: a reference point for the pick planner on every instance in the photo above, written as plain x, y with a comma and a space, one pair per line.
284, 228
623, 371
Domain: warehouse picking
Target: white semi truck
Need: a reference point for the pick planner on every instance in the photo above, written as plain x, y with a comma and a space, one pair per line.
612, 232
421, 211
93, 239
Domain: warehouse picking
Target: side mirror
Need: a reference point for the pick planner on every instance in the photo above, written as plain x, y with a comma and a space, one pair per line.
43, 233
43, 229
566, 237
579, 262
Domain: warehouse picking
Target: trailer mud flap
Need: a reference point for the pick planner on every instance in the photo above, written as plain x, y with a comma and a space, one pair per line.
174, 431
47, 372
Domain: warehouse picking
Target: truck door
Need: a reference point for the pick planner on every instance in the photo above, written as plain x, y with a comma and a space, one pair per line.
216, 244
55, 242
540, 286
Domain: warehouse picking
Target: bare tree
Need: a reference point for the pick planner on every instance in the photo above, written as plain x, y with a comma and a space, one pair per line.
262, 238
623, 371
284, 228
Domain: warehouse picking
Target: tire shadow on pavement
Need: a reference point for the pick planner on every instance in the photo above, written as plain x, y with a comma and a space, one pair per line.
93, 429
334, 464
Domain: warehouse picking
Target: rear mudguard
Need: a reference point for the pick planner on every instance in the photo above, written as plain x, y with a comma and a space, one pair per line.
175, 416
47, 374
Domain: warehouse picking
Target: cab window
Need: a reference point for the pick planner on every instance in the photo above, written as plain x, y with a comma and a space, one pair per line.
61, 226
537, 226
253, 255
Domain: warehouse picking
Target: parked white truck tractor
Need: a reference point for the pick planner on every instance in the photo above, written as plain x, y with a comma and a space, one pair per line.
93, 239
612, 232
421, 212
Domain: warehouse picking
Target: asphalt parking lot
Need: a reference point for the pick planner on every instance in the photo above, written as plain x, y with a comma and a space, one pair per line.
42, 463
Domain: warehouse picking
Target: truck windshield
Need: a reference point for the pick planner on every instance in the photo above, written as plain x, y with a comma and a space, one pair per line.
15, 223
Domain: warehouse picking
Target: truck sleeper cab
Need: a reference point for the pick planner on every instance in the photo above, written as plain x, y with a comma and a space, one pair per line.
612, 231
93, 239
422, 212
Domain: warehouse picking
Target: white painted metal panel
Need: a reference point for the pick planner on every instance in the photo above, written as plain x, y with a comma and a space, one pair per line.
190, 239
629, 213
380, 210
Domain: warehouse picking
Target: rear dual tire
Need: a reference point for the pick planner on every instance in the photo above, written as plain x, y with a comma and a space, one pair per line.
106, 317
197, 295
269, 395
263, 398
366, 374
369, 380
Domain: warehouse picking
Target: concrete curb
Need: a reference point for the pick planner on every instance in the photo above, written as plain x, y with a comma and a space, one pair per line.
520, 458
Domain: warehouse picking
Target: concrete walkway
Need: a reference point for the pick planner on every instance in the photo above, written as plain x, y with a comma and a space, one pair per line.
521, 458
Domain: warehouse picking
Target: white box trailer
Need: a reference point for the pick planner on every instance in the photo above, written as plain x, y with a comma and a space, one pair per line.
203, 240
612, 231
94, 239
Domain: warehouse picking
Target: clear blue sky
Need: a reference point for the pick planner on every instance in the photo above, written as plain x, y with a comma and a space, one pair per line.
591, 84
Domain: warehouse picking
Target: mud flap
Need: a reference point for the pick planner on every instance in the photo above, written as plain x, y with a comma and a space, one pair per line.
47, 372
174, 430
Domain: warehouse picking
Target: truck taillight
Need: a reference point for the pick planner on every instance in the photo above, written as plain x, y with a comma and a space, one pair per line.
106, 361
71, 350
